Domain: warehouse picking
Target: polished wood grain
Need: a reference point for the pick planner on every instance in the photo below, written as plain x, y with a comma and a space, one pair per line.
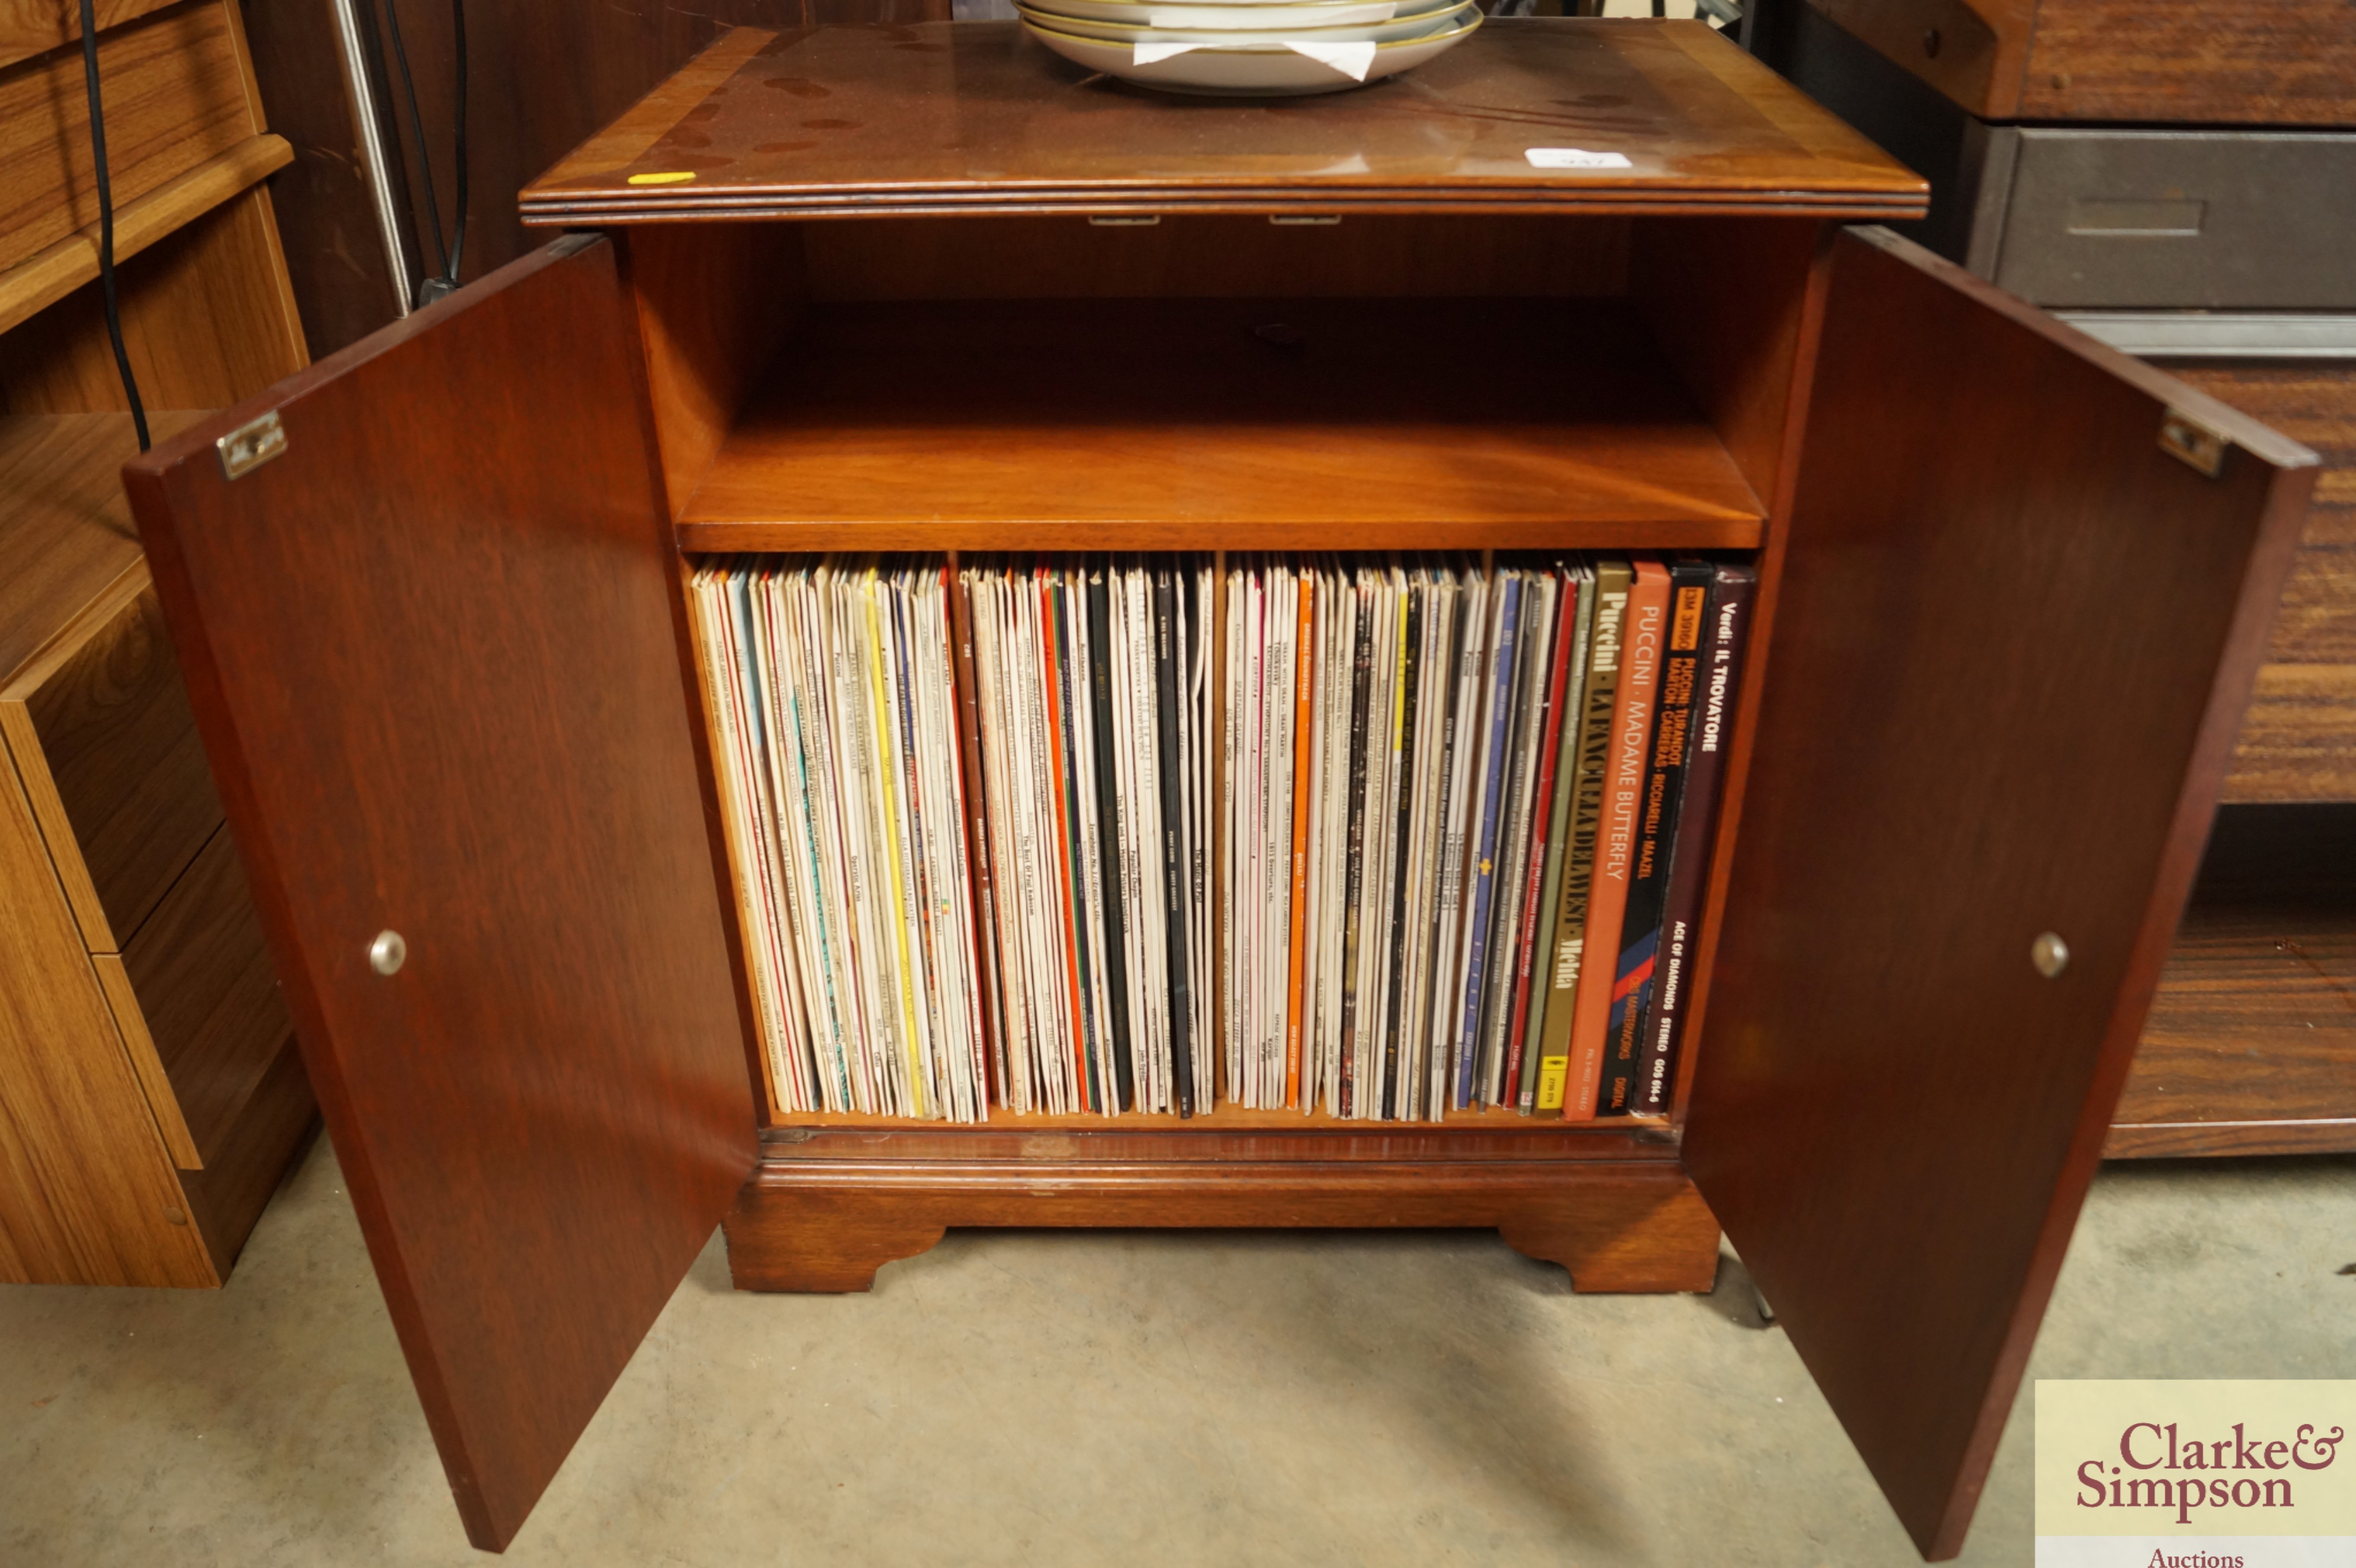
1199, 255
2012, 644
2298, 740
87, 1195
208, 319
824, 1213
108, 753
2255, 62
542, 1115
2252, 1034
50, 275
174, 101
1205, 424
146, 1061
36, 27
714, 301
208, 996
2251, 1045
975, 117
1734, 345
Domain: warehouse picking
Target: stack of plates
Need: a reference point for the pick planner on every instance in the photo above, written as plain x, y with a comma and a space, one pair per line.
1254, 48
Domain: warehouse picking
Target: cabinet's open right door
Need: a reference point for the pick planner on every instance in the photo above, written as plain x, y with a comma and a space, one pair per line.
2014, 625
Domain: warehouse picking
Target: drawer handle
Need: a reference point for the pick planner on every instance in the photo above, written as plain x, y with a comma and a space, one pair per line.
388, 952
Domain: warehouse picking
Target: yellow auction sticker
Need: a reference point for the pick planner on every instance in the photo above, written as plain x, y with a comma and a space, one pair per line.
2195, 1474
667, 178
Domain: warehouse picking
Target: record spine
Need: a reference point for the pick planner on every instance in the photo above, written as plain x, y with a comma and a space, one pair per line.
1543, 820
1182, 1056
1362, 669
1497, 721
1407, 687
1615, 843
1640, 932
1710, 735
1600, 696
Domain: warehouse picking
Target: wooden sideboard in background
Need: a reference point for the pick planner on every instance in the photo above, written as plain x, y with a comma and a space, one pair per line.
150, 1091
2174, 179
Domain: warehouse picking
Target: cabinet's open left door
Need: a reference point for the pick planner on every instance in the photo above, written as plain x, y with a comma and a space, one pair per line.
2015, 624
434, 646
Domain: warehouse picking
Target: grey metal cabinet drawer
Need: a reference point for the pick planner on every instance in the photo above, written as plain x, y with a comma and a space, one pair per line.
2124, 219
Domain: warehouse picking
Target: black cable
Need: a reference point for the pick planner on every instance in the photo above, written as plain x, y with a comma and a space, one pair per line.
458, 231
417, 125
106, 222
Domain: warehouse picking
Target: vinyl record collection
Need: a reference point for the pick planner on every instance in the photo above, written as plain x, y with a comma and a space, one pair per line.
1380, 838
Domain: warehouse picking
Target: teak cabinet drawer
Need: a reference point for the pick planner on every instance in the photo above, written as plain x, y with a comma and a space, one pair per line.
102, 736
198, 1005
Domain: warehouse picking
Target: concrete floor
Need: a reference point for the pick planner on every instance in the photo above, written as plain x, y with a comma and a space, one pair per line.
1114, 1397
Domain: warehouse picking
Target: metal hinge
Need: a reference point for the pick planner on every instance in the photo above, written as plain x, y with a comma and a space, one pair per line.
250, 445
2192, 444
1114, 221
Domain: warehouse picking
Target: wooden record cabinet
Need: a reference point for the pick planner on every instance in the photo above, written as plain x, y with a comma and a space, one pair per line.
929, 288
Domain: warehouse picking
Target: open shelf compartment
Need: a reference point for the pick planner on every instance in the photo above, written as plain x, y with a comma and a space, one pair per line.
1221, 423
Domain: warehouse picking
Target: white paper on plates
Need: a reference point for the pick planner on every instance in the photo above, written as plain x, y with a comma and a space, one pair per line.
1575, 158
1256, 16
1352, 60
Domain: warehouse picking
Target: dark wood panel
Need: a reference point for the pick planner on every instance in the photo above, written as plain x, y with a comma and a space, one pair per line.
2255, 62
208, 997
820, 1221
1259, 424
343, 286
435, 652
713, 303
975, 117
1725, 298
1222, 255
108, 751
2298, 742
2012, 644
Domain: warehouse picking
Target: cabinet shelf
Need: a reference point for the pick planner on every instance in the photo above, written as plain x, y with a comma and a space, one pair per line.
1221, 423
1237, 1119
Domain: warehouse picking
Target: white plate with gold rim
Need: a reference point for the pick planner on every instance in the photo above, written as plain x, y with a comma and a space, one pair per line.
1381, 32
1274, 69
1254, 15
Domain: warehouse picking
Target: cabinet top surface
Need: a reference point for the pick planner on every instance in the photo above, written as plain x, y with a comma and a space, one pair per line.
947, 118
